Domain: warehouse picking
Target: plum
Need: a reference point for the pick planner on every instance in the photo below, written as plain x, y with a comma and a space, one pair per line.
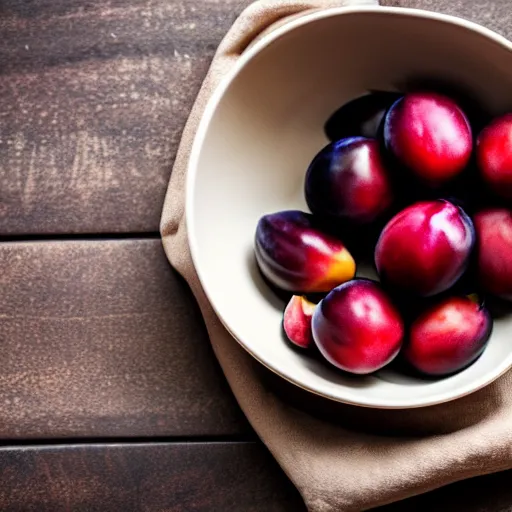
448, 336
494, 251
295, 254
357, 328
361, 116
297, 321
347, 180
429, 135
425, 248
494, 156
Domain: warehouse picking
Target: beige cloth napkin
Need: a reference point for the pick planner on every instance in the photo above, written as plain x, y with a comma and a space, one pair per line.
334, 465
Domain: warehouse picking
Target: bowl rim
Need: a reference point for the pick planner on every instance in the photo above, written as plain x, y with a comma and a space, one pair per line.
208, 113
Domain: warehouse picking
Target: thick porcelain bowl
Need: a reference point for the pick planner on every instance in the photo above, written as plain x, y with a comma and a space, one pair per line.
258, 134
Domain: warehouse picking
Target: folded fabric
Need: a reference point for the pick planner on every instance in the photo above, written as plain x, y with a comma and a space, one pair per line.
366, 457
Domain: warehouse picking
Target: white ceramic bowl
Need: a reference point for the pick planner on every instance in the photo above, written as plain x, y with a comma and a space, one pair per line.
258, 134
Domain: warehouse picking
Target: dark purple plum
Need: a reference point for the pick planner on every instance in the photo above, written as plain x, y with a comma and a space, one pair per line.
448, 336
357, 328
361, 116
295, 254
430, 136
347, 181
425, 248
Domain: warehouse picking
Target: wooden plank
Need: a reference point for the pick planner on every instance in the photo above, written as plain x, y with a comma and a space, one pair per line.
157, 477
493, 14
93, 99
102, 338
189, 477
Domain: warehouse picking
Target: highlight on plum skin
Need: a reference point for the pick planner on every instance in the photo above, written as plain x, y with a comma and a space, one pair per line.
494, 155
361, 116
448, 337
430, 136
425, 248
348, 180
297, 321
295, 254
357, 328
493, 228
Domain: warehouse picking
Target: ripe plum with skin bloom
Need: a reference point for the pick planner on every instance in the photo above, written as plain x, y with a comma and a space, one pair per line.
494, 156
430, 136
448, 336
297, 321
295, 254
493, 228
357, 328
425, 248
348, 181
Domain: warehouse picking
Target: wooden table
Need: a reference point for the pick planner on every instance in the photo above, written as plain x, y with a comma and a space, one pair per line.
110, 397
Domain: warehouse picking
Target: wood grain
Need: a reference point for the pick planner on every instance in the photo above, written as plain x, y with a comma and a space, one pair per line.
93, 99
493, 14
94, 96
102, 338
189, 477
202, 477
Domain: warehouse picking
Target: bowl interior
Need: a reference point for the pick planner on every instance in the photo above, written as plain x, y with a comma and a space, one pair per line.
257, 138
